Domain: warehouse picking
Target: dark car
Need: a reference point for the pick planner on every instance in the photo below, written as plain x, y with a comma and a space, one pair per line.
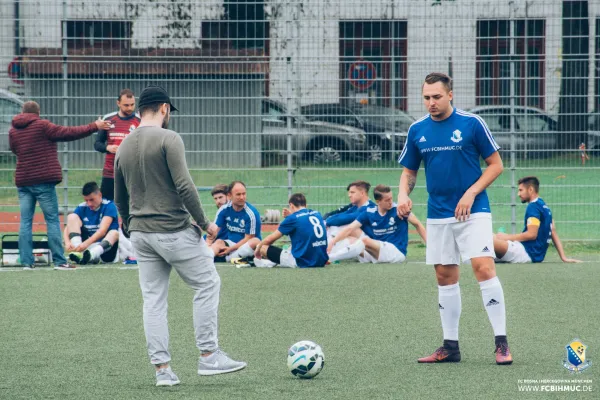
535, 131
394, 122
379, 144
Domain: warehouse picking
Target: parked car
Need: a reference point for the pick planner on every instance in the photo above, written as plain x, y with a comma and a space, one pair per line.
593, 139
535, 131
395, 123
379, 144
10, 105
318, 141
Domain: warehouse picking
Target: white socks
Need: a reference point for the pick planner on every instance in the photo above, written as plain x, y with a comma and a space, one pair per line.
346, 252
96, 250
76, 240
245, 251
493, 301
450, 306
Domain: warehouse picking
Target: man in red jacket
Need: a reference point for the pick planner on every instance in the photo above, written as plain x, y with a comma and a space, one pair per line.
122, 123
34, 142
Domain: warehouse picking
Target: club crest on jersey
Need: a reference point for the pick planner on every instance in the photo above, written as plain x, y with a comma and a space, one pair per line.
456, 136
131, 128
392, 221
242, 223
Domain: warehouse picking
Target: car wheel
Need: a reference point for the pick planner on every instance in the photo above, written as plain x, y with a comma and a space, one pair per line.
326, 151
326, 154
375, 151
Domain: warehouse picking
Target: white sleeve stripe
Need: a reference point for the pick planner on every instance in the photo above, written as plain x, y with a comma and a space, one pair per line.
484, 125
252, 219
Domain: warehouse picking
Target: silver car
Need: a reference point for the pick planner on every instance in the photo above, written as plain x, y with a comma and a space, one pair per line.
535, 131
317, 141
10, 105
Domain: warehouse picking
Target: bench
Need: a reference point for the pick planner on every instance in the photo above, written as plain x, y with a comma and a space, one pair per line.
11, 242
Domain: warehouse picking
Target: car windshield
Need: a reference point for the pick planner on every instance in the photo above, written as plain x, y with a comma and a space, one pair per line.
388, 116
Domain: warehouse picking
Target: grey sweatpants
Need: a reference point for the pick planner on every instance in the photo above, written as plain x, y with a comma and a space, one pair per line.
187, 252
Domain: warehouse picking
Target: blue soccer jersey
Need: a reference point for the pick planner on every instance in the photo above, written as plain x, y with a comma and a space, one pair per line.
451, 150
239, 223
306, 230
91, 218
538, 213
222, 235
385, 228
348, 216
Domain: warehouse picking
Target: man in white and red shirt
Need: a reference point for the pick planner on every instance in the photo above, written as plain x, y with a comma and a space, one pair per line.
122, 122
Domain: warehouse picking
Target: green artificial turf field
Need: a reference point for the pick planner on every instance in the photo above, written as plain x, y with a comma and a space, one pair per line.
79, 334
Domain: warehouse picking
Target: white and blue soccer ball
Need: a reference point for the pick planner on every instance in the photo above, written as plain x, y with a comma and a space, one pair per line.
305, 359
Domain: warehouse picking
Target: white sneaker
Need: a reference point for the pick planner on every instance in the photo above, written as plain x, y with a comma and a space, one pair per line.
166, 377
263, 263
218, 363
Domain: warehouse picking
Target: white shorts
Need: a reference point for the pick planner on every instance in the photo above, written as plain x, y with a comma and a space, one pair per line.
388, 253
333, 231
286, 259
448, 243
516, 254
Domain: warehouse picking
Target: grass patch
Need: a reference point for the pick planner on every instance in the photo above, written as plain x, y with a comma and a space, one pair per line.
79, 334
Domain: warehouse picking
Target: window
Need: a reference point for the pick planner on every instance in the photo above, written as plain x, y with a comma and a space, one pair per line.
383, 46
493, 62
244, 26
103, 34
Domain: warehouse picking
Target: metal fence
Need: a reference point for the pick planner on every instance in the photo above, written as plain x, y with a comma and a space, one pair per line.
308, 96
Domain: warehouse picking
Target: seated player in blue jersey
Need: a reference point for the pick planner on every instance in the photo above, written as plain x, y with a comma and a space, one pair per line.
92, 231
386, 237
241, 221
306, 230
531, 245
358, 192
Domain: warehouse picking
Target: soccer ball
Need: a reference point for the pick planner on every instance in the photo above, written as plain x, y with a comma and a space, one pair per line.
305, 359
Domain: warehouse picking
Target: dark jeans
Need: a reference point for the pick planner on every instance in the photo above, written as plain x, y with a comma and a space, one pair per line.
107, 187
45, 194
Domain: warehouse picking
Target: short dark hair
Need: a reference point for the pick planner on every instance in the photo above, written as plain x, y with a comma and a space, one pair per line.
89, 188
31, 107
439, 77
220, 188
149, 108
232, 184
379, 190
126, 93
360, 184
298, 199
530, 181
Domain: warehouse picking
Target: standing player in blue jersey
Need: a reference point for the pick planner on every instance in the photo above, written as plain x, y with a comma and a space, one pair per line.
242, 222
386, 237
92, 231
306, 230
451, 142
531, 245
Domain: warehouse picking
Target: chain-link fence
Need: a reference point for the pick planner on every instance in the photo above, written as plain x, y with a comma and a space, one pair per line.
309, 96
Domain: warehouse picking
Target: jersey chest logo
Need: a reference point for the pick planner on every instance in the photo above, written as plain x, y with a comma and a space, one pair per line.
456, 136
242, 223
392, 221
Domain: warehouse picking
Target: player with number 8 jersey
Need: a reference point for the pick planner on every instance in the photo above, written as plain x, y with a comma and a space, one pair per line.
306, 230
